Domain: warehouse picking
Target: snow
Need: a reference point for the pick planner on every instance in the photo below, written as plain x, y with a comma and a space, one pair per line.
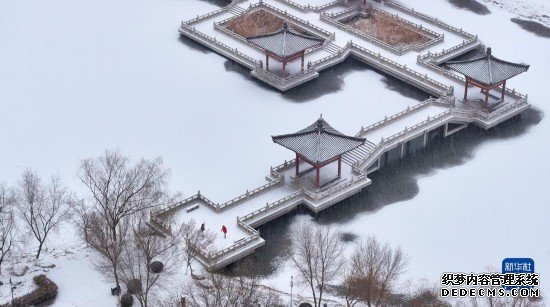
527, 9
78, 78
79, 283
214, 221
406, 122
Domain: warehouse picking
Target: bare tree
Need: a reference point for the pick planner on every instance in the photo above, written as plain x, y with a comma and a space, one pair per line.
41, 207
318, 256
7, 226
350, 290
98, 236
138, 256
194, 241
217, 290
376, 269
117, 190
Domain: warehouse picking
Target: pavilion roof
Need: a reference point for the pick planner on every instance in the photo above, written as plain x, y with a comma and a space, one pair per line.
285, 42
488, 69
318, 142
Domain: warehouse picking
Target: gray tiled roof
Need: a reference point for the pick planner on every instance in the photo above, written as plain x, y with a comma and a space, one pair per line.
488, 69
318, 142
285, 42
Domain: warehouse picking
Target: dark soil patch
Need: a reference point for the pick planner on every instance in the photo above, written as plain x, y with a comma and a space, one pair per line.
472, 6
219, 3
533, 27
387, 29
259, 22
348, 237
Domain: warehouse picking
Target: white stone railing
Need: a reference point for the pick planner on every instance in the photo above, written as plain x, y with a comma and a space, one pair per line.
201, 18
444, 90
310, 8
396, 117
410, 25
299, 7
438, 55
445, 72
214, 43
245, 227
360, 34
399, 136
175, 207
429, 19
340, 55
251, 194
298, 21
419, 126
344, 13
272, 206
318, 8
501, 111
464, 114
214, 206
211, 258
316, 196
278, 170
282, 81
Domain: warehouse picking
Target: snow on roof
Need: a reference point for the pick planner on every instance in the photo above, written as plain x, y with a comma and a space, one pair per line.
318, 142
488, 69
285, 42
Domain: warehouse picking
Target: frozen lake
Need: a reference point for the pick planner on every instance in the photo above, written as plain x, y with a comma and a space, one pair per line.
77, 78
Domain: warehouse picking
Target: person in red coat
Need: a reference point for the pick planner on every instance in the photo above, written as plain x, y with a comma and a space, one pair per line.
224, 230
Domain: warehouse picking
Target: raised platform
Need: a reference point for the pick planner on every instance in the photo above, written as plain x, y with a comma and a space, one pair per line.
282, 194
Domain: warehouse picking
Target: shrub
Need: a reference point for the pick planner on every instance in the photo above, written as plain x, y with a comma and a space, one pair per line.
45, 291
127, 300
134, 286
156, 267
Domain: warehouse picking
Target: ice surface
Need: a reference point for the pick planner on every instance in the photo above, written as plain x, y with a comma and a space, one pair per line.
79, 77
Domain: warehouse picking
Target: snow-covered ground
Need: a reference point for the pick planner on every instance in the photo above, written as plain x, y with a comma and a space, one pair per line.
537, 10
77, 78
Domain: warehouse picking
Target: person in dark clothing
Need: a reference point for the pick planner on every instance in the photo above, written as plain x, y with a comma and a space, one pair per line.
203, 227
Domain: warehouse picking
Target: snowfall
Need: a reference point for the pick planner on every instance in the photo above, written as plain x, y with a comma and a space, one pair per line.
80, 77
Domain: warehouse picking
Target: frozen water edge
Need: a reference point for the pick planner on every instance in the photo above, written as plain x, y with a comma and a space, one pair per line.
75, 114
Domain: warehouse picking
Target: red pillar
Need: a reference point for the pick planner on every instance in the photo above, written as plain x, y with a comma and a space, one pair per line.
503, 89
284, 68
339, 166
466, 90
302, 61
317, 181
297, 165
266, 62
487, 98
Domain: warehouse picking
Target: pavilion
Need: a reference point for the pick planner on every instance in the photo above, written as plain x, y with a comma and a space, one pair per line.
285, 45
487, 73
318, 145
